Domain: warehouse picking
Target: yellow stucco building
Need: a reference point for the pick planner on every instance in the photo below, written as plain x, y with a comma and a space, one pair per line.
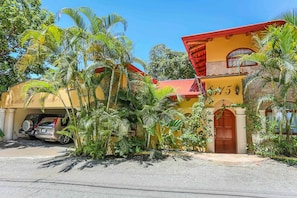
215, 58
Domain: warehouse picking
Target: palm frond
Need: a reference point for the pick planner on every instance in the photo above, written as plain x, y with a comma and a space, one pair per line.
111, 20
265, 98
75, 16
96, 22
163, 92
28, 35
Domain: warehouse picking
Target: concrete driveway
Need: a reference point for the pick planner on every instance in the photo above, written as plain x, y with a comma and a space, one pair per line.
28, 148
38, 174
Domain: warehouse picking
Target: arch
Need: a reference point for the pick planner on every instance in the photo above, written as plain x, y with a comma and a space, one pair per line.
224, 102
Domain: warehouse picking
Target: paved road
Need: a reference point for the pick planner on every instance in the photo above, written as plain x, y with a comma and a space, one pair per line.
173, 177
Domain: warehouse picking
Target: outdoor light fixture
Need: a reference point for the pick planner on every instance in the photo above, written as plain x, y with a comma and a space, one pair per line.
237, 89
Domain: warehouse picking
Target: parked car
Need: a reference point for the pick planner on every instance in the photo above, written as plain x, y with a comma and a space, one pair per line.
48, 127
31, 121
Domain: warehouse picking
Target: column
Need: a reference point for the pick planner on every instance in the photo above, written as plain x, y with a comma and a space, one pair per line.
211, 143
9, 124
241, 130
2, 120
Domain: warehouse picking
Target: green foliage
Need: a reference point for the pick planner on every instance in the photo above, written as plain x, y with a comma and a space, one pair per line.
277, 146
150, 107
253, 123
169, 137
93, 149
167, 64
1, 133
127, 146
15, 17
196, 129
291, 161
273, 144
194, 141
289, 17
277, 75
73, 54
98, 127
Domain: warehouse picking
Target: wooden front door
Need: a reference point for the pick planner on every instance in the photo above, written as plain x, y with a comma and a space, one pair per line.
225, 138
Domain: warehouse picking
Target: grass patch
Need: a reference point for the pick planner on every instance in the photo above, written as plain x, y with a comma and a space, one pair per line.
291, 161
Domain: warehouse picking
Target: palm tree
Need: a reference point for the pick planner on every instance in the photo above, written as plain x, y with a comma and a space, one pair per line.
111, 49
44, 45
150, 107
277, 72
59, 50
72, 55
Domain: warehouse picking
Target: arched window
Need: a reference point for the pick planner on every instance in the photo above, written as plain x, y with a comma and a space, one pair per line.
233, 58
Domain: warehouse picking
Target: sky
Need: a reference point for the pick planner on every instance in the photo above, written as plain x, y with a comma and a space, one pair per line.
153, 22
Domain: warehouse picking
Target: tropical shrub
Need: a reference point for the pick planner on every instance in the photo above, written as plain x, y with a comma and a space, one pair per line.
150, 109
72, 55
128, 146
272, 144
253, 125
171, 136
277, 75
196, 130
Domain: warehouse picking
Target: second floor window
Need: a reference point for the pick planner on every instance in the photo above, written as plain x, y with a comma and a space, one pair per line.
233, 58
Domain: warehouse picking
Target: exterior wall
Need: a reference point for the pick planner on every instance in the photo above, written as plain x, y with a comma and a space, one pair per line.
14, 98
220, 68
218, 48
228, 85
231, 93
216, 53
186, 105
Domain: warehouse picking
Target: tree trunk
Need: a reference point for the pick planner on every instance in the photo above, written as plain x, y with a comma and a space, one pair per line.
110, 89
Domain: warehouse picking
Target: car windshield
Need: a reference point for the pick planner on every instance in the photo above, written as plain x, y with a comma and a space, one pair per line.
49, 122
33, 117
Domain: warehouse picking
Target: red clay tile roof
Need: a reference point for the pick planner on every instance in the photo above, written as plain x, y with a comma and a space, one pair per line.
183, 87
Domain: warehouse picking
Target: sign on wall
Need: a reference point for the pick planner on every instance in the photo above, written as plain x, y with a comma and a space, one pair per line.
228, 88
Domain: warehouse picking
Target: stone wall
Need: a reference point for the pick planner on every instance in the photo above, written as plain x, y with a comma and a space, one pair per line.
220, 68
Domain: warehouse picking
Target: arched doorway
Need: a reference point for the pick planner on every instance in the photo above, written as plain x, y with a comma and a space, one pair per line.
225, 136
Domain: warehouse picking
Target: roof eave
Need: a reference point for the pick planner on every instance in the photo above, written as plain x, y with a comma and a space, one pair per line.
231, 31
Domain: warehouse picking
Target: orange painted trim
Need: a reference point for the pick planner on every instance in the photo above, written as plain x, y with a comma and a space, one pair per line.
231, 31
187, 96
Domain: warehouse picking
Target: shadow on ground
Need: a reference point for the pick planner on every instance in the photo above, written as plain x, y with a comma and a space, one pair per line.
68, 162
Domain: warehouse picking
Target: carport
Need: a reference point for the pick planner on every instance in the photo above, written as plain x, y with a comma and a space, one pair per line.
13, 109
